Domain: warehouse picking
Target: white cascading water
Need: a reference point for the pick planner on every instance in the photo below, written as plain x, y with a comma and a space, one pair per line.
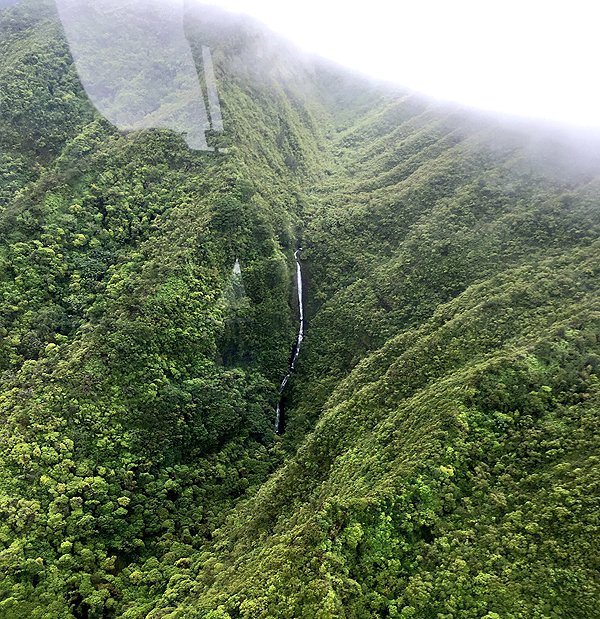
299, 341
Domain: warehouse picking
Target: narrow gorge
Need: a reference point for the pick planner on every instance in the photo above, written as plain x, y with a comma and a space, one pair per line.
296, 348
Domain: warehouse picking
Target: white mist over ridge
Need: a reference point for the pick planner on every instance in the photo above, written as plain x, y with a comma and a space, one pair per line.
528, 58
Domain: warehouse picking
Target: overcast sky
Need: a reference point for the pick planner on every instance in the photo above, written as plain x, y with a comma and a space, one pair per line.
524, 57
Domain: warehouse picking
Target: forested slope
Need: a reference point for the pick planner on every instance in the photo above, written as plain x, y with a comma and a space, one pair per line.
440, 450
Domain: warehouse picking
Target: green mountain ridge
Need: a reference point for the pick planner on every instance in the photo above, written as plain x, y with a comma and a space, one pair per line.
440, 452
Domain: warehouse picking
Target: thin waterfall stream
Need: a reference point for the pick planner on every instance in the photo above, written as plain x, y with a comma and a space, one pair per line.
298, 342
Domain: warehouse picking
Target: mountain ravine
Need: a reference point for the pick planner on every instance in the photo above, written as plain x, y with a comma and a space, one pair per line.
441, 445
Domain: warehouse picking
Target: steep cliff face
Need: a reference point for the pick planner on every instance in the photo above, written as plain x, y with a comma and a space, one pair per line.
441, 442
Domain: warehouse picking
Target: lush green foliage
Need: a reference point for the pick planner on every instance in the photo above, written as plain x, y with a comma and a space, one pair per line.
441, 451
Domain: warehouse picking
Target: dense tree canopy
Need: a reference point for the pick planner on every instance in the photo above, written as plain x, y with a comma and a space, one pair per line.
441, 452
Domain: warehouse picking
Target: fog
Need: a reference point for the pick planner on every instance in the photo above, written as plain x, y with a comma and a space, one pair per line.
528, 58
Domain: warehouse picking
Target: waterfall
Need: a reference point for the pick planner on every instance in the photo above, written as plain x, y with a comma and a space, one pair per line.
298, 342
